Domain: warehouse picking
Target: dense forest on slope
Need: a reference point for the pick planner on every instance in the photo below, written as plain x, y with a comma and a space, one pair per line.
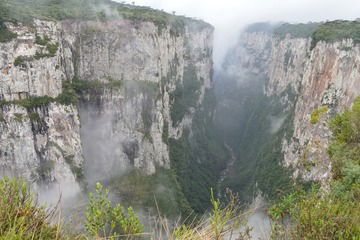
330, 31
25, 11
248, 130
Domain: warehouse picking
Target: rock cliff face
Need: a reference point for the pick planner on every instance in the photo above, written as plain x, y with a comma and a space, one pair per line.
125, 113
303, 80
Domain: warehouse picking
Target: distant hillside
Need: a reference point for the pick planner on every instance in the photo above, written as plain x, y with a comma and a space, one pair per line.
330, 31
24, 11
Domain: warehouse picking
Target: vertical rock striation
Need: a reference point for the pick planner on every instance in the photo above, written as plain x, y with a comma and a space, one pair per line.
303, 80
124, 74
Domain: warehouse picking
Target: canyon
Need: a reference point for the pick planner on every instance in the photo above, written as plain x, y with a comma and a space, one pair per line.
124, 97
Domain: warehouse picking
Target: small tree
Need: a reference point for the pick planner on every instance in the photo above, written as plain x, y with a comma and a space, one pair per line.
104, 220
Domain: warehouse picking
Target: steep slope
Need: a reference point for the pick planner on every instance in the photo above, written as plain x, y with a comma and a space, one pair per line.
290, 85
89, 98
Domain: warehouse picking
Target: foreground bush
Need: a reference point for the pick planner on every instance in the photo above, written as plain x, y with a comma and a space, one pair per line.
334, 213
108, 222
20, 215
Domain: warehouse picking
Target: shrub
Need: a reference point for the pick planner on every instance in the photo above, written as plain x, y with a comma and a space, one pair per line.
42, 41
18, 117
345, 145
20, 215
222, 221
34, 101
19, 61
104, 220
34, 116
317, 113
52, 49
335, 213
315, 215
5, 34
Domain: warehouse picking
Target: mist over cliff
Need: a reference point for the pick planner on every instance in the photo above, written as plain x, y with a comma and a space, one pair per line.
147, 103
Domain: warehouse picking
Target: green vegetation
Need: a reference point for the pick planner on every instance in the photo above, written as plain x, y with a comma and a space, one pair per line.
221, 223
332, 214
301, 30
34, 116
344, 150
81, 86
18, 117
26, 11
197, 158
165, 133
159, 191
304, 160
185, 96
20, 215
317, 113
336, 31
256, 146
51, 50
72, 91
104, 221
5, 34
42, 41
19, 61
78, 171
315, 214
33, 102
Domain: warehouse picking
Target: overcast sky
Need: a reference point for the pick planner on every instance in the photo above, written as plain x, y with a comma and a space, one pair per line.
228, 16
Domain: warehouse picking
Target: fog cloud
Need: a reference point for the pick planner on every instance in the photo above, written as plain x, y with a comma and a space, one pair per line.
229, 16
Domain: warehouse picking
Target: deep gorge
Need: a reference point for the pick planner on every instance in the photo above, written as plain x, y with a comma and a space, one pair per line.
130, 98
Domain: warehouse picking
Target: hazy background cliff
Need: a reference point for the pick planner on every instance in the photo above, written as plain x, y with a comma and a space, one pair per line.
280, 85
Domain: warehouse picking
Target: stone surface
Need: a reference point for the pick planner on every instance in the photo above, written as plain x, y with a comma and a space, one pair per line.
303, 80
111, 129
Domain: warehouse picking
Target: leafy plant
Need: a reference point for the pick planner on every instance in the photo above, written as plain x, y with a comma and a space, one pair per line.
104, 220
315, 215
42, 41
21, 217
19, 61
317, 113
334, 213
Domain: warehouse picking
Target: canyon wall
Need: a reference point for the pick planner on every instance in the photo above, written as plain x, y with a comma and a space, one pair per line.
90, 99
303, 86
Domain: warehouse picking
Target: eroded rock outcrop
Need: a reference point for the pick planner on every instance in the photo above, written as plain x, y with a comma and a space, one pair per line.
125, 113
303, 80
